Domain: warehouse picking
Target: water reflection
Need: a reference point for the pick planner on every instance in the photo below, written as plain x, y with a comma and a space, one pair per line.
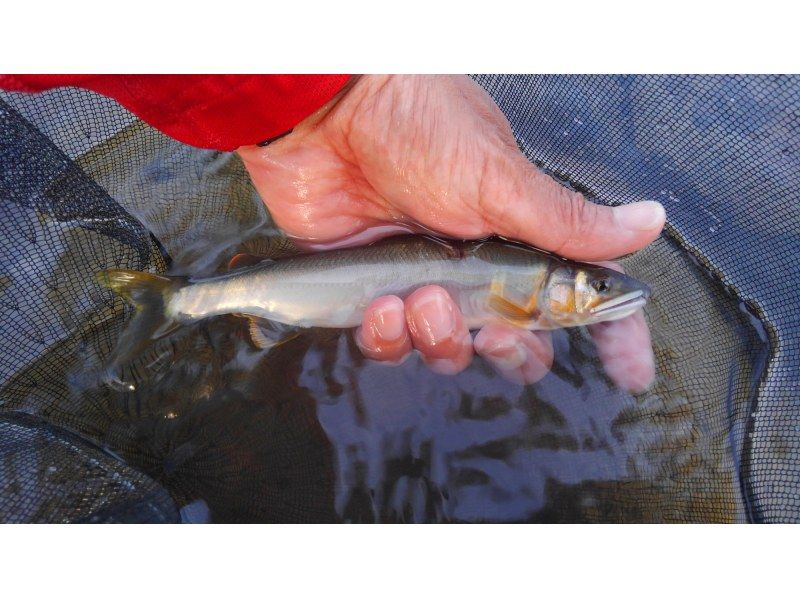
469, 447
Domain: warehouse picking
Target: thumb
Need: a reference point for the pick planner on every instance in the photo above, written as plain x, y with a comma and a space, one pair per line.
534, 208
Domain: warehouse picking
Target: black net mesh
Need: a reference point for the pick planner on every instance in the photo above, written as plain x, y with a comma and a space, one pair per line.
312, 432
48, 475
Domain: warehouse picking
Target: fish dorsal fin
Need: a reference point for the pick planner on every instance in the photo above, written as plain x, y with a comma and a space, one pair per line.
265, 336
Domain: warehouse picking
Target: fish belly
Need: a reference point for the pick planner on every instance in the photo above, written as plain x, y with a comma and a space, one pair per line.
337, 295
339, 298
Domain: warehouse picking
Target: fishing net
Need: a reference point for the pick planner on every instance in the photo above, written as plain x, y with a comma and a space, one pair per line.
51, 476
203, 422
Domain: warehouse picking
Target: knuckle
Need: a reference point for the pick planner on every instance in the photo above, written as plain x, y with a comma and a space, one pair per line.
576, 216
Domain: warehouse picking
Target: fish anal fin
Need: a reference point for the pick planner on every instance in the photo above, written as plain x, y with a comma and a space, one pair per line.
258, 331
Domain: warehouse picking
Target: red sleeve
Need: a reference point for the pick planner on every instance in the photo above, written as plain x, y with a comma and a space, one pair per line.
220, 112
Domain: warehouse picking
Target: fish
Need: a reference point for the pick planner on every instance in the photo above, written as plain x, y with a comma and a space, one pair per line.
490, 280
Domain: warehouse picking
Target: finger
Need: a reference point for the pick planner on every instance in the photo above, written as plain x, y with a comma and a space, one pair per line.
626, 352
616, 266
438, 330
519, 355
625, 348
530, 206
383, 334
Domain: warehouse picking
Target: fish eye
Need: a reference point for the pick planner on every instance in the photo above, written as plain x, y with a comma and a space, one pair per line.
601, 285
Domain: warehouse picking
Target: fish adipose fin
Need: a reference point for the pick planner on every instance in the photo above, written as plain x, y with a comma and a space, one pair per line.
245, 260
149, 294
265, 336
261, 249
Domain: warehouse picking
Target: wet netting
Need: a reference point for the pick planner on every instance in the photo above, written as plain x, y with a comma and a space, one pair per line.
205, 428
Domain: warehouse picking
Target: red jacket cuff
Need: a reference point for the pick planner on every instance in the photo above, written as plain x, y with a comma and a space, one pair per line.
219, 112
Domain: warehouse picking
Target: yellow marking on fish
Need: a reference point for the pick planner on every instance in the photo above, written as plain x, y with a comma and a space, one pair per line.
511, 311
496, 287
562, 299
533, 301
581, 293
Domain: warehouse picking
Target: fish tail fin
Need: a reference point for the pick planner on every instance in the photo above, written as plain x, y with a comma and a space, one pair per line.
140, 289
149, 294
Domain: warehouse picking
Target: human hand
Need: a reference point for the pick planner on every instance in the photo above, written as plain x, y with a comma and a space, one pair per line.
435, 153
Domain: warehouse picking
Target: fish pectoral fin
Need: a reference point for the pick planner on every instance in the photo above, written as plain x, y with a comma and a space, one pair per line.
265, 336
510, 311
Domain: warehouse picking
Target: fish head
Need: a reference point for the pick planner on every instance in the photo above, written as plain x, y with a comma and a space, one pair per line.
581, 294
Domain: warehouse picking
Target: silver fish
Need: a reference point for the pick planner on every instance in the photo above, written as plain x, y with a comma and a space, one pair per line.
489, 280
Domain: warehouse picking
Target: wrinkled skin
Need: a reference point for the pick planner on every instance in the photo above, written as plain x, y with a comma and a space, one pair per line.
435, 153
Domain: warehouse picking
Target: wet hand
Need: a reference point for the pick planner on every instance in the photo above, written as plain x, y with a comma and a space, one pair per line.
435, 153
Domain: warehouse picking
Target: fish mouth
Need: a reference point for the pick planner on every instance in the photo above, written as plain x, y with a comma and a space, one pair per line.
621, 306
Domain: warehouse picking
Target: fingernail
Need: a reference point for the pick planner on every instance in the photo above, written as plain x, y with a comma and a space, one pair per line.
435, 318
388, 323
508, 356
644, 215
